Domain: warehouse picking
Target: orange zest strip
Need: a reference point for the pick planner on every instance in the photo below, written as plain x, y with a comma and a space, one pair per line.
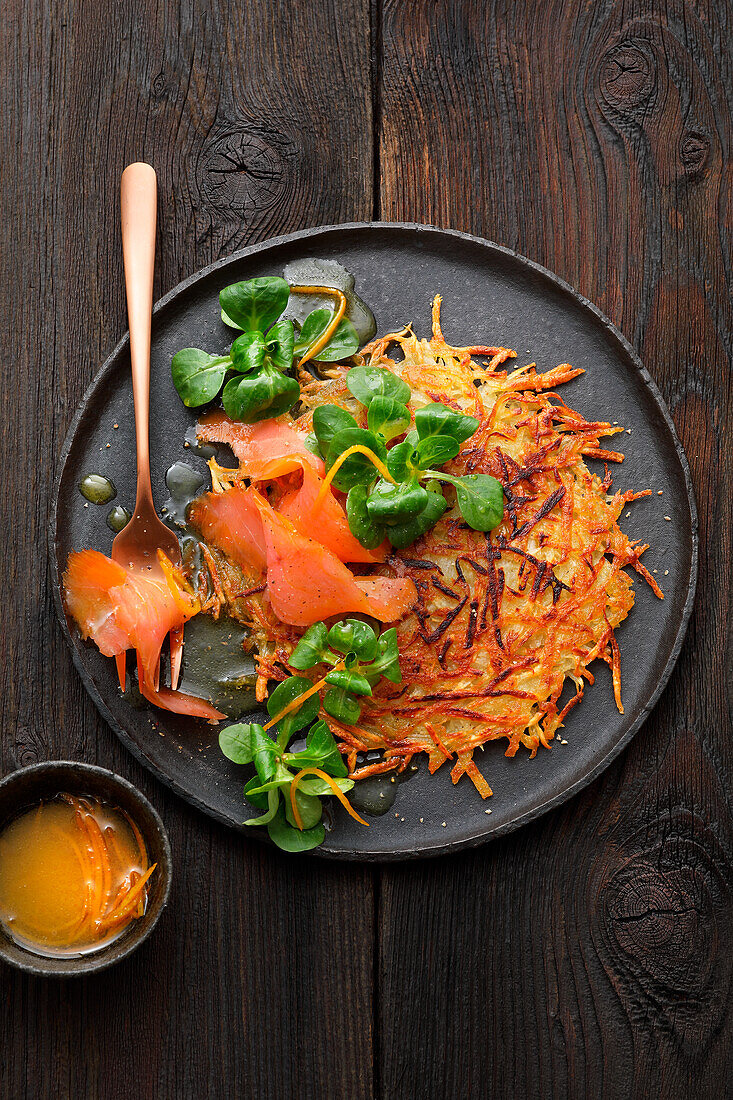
332, 324
121, 892
110, 837
129, 900
177, 585
140, 907
357, 449
138, 840
295, 703
96, 877
100, 849
334, 787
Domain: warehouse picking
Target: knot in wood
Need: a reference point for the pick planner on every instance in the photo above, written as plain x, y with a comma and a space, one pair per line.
27, 748
694, 152
662, 921
244, 171
627, 76
160, 87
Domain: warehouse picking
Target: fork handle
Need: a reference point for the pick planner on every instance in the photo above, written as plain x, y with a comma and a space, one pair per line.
138, 199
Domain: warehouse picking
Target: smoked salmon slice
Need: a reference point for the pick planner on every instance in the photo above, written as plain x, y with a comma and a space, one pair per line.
231, 521
307, 583
87, 583
328, 524
121, 609
270, 449
267, 449
177, 701
390, 599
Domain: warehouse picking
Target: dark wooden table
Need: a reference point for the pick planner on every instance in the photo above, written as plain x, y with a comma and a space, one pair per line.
589, 954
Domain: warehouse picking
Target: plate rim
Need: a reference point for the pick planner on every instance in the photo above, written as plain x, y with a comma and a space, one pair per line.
450, 846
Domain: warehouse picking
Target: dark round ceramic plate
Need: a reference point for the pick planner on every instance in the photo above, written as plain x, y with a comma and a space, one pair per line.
490, 295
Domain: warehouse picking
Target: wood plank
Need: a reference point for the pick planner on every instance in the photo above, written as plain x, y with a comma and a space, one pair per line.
257, 117
589, 954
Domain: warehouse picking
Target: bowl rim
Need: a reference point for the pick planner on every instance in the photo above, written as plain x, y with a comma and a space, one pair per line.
78, 966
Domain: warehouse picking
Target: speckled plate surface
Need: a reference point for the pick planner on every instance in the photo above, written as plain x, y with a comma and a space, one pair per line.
490, 294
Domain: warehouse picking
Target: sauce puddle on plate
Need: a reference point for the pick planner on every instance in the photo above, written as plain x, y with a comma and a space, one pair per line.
73, 875
97, 489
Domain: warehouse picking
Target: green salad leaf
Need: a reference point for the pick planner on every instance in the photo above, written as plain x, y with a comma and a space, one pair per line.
388, 417
359, 658
361, 524
198, 376
366, 383
255, 304
328, 420
254, 375
342, 343
402, 509
357, 467
260, 396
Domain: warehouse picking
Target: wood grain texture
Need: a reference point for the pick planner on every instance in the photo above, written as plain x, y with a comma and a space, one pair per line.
249, 129
590, 954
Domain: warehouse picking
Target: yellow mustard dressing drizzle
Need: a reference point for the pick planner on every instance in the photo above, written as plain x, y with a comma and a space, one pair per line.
333, 323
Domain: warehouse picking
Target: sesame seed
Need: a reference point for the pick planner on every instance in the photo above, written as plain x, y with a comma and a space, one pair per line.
659, 492
115, 425
628, 514
421, 820
668, 519
653, 570
666, 572
628, 431
487, 811
563, 742
444, 823
397, 815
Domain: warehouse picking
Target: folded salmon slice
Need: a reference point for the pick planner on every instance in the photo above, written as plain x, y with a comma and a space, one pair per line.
267, 449
327, 523
273, 448
121, 609
307, 583
231, 521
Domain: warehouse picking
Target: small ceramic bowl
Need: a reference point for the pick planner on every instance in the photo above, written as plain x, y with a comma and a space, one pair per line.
27, 787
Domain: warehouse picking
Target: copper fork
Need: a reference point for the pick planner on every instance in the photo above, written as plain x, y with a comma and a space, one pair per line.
136, 546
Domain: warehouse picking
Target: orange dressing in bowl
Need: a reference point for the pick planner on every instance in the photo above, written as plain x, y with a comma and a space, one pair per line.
73, 875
